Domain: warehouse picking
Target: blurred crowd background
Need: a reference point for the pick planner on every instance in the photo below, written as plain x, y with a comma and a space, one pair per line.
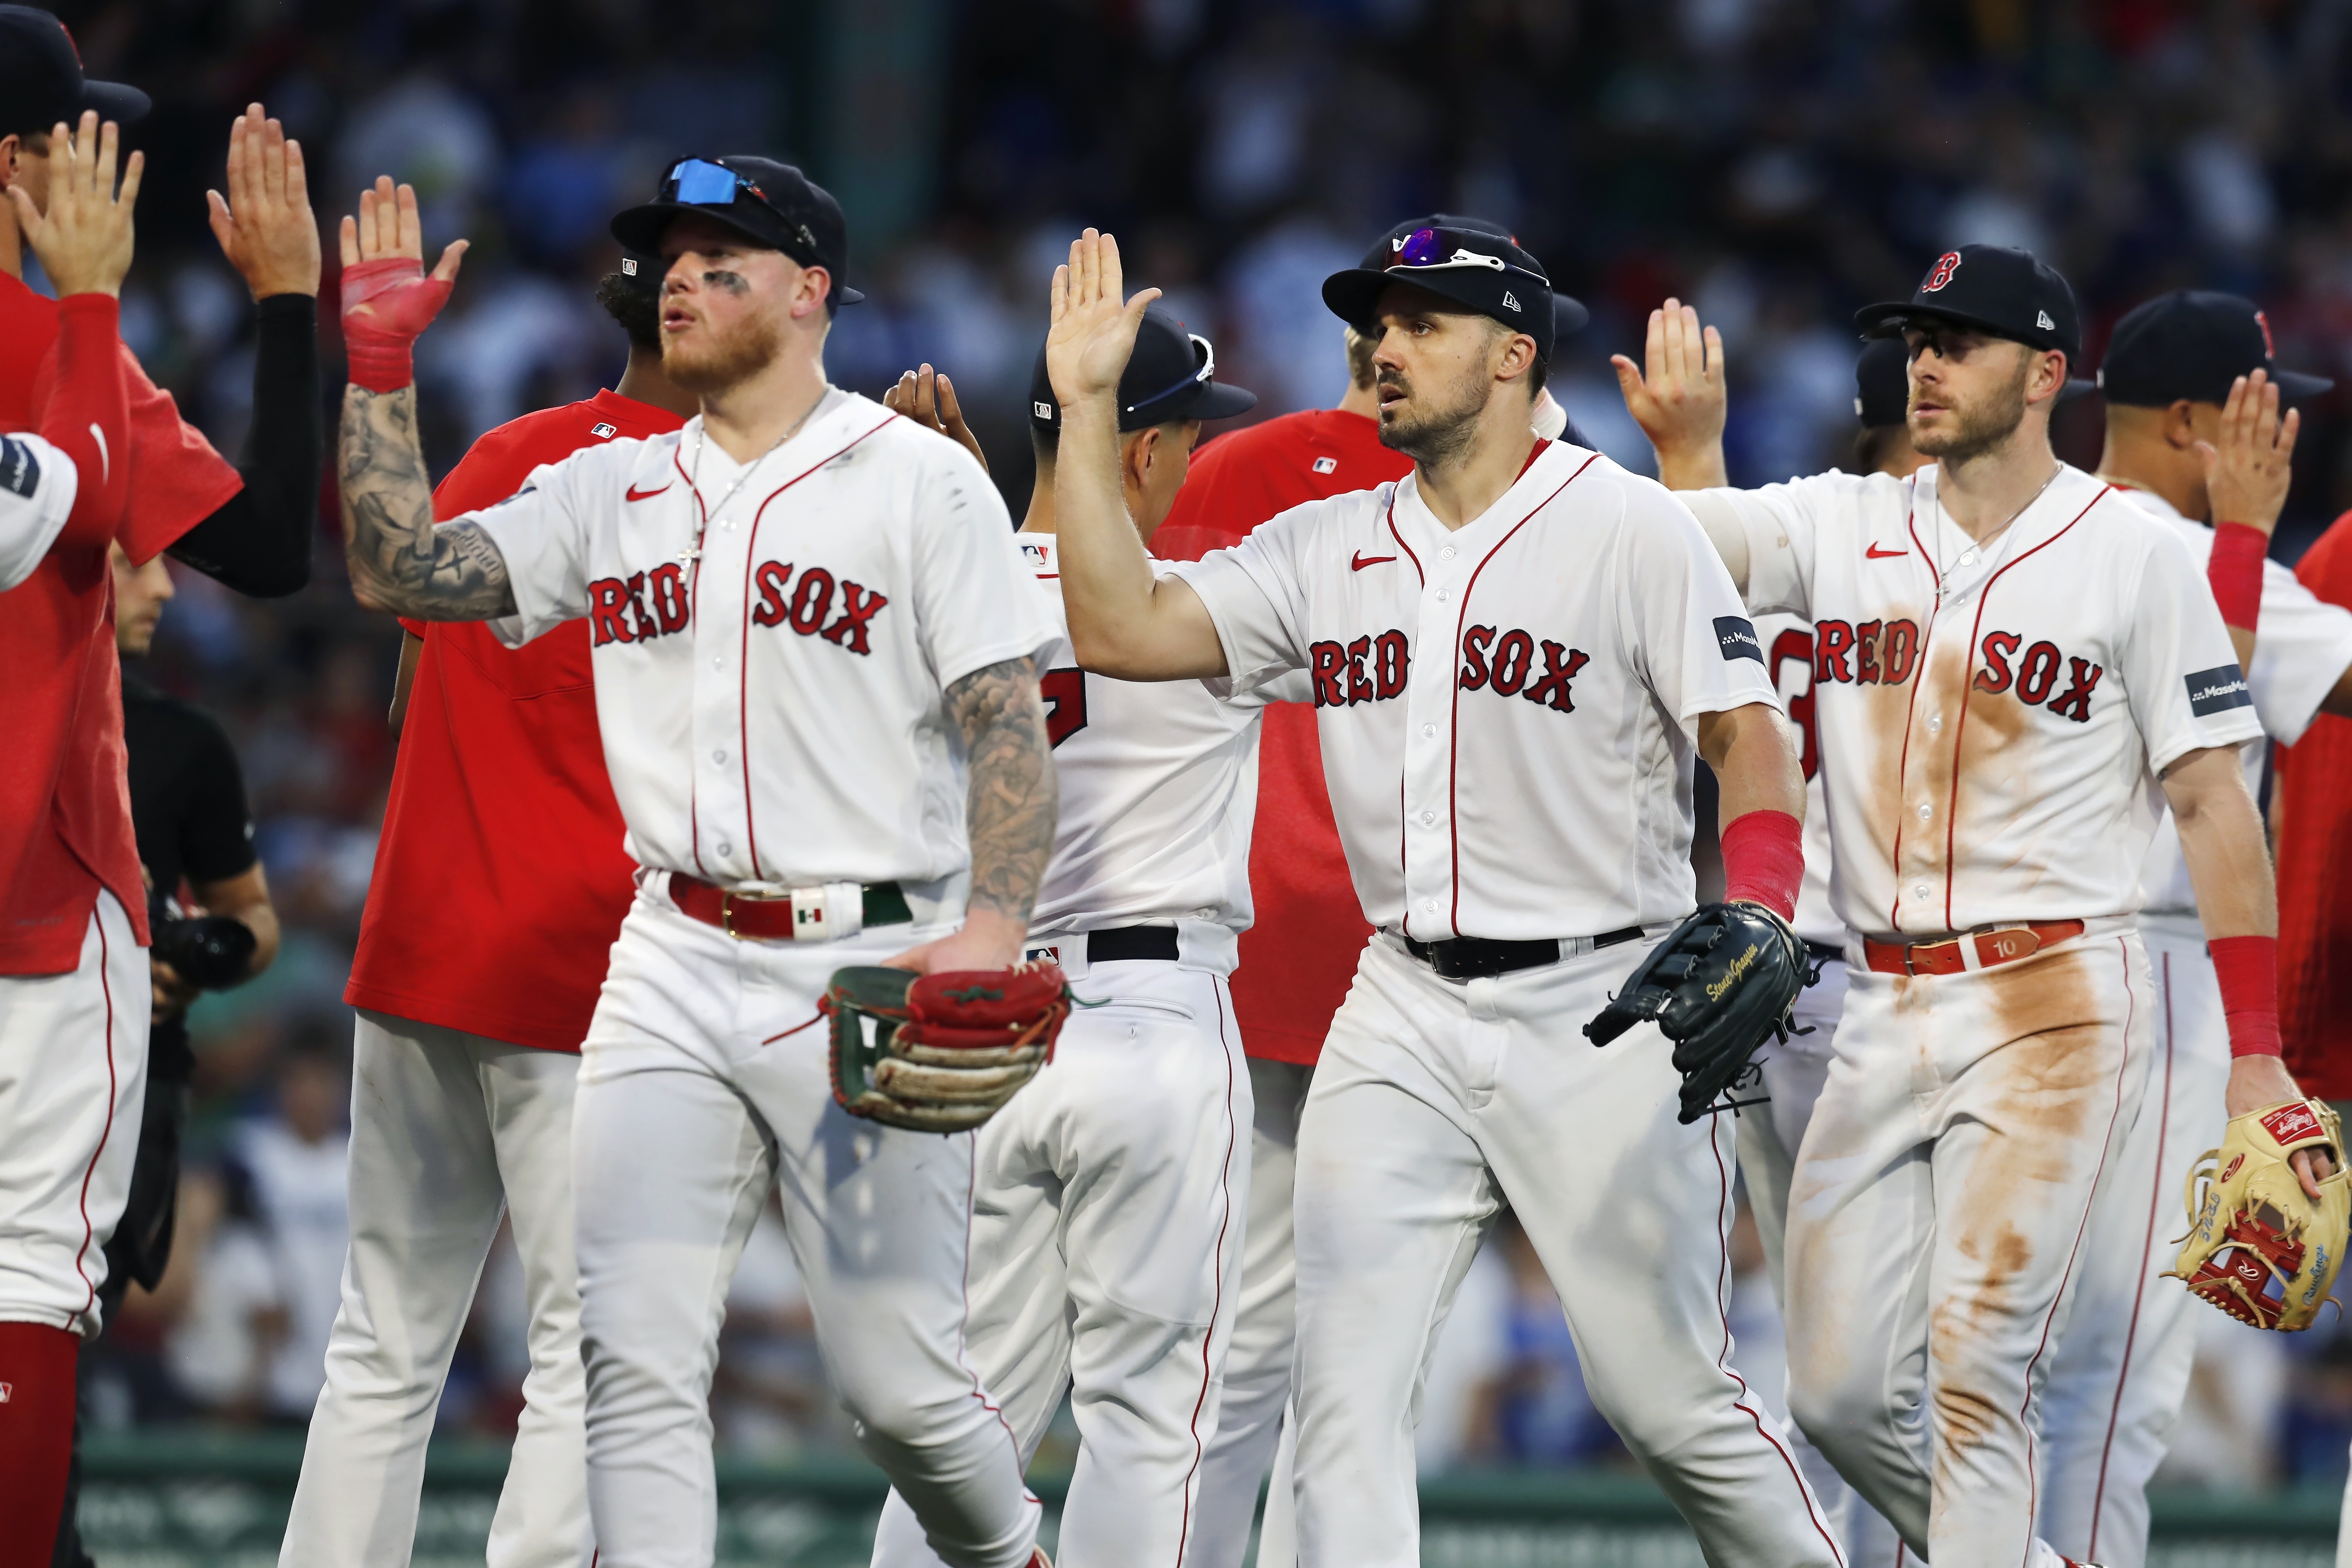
1781, 162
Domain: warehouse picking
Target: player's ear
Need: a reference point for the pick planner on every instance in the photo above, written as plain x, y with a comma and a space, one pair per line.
2180, 425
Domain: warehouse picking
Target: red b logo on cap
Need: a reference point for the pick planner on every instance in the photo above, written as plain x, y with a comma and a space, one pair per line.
2270, 349
1941, 273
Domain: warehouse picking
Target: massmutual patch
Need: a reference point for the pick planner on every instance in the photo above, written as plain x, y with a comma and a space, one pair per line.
1735, 635
2216, 690
20, 471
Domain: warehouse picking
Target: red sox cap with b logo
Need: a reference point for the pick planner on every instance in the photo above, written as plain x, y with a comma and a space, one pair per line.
2007, 293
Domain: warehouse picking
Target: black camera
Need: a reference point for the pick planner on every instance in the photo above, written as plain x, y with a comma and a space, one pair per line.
209, 951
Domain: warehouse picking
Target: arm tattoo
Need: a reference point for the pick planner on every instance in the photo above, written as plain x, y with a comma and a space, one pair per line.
398, 560
1011, 809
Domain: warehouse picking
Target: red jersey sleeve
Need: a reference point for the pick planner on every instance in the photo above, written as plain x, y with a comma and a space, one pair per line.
176, 478
88, 417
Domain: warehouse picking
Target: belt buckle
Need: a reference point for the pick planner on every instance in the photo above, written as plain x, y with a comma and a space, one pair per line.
726, 913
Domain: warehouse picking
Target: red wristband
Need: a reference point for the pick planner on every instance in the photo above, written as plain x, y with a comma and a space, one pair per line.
2247, 967
2235, 572
1764, 860
387, 303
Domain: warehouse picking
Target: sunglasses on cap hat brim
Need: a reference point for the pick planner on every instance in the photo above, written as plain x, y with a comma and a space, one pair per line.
710, 188
1199, 395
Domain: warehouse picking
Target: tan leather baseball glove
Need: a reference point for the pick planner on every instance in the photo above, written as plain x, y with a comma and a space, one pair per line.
2258, 1248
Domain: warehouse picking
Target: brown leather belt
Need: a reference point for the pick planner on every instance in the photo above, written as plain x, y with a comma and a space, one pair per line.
1946, 957
771, 919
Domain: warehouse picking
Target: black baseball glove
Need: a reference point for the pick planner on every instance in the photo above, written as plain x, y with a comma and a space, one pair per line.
1720, 981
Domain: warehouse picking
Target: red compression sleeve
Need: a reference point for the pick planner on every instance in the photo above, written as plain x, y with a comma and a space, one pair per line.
2247, 967
88, 416
2235, 571
37, 1417
1764, 860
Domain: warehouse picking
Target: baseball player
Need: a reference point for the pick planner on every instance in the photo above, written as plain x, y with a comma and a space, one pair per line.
800, 609
2193, 431
73, 981
500, 883
1299, 952
1789, 1072
2011, 672
1516, 610
1107, 1232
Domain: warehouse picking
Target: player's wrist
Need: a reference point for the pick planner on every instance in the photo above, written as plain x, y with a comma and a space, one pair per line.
1764, 860
2247, 970
2234, 572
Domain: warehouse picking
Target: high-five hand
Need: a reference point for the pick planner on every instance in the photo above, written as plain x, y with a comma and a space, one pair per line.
1680, 404
265, 225
1094, 326
928, 397
387, 298
84, 239
2249, 469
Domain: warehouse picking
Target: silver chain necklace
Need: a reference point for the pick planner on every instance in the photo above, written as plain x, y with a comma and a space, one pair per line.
2000, 535
694, 476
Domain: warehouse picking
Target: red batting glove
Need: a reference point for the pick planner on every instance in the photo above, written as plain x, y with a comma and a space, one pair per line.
387, 305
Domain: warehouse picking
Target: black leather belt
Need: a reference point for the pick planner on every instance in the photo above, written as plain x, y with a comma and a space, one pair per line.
1120, 944
1475, 957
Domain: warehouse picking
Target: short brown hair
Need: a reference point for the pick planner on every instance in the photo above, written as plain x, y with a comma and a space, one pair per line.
1360, 348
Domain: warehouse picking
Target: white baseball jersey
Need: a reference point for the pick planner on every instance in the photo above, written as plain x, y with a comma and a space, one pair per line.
1993, 721
772, 701
2301, 651
1159, 788
1789, 658
38, 485
1505, 709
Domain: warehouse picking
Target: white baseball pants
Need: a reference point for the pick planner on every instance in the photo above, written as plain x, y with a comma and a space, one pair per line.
1936, 1217
1106, 1259
449, 1130
1769, 1138
73, 1081
1435, 1102
1251, 1433
2119, 1372
705, 1083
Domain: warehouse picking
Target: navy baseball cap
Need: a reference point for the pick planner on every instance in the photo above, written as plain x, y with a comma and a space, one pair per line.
641, 274
1481, 268
1568, 316
41, 81
2192, 343
1171, 376
2008, 293
1881, 384
768, 203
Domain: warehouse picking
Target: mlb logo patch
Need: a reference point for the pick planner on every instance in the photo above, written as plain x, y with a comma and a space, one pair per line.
604, 432
1326, 464
5, 1390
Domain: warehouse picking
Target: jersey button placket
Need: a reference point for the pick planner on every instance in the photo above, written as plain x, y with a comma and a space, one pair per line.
717, 630
1430, 755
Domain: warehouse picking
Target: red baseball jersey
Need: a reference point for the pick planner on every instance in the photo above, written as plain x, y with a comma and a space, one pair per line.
2315, 866
1300, 956
500, 880
63, 786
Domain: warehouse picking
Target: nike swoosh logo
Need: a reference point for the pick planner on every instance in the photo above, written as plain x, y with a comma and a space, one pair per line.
1876, 553
632, 493
1362, 561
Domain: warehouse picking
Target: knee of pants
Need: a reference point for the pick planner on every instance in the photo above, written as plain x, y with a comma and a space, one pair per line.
626, 1385
1837, 1414
910, 1405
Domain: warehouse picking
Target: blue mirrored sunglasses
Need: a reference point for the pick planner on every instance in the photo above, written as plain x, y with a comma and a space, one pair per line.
699, 182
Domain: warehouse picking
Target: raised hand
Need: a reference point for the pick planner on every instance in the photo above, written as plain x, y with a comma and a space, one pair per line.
1680, 402
387, 298
928, 397
1094, 329
265, 225
84, 241
2249, 468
